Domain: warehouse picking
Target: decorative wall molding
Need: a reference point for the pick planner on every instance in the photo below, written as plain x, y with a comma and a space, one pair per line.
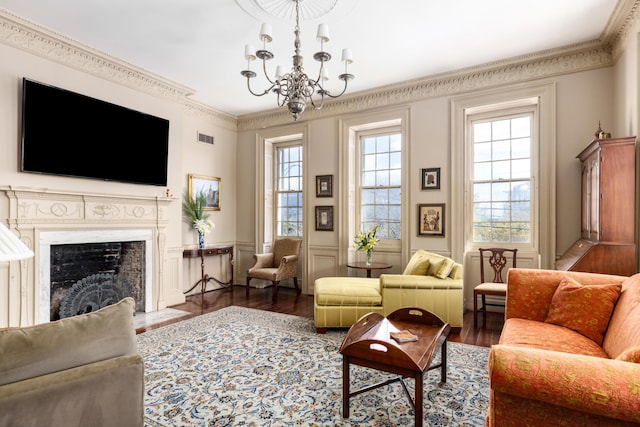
37, 40
219, 118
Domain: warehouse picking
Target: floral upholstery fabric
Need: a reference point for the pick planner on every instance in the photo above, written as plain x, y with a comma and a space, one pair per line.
546, 336
585, 309
544, 374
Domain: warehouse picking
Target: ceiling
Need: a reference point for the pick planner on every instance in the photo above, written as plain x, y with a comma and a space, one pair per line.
200, 43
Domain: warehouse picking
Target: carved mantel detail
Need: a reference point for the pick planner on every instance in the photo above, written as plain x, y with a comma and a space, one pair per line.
34, 212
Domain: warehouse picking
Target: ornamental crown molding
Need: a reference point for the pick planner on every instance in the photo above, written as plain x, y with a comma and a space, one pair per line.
25, 35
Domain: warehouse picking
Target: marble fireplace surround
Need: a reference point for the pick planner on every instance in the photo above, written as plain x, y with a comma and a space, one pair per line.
43, 217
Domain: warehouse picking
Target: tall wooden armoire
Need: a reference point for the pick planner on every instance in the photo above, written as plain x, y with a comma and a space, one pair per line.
608, 240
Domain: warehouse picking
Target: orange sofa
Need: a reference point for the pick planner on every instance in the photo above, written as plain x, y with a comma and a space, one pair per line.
569, 352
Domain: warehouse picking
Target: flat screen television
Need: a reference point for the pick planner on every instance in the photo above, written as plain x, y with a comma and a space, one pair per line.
69, 134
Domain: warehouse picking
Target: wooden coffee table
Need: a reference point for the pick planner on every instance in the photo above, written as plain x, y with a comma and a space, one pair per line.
369, 344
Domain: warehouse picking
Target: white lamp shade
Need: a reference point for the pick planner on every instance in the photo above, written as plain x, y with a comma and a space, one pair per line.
323, 33
11, 248
249, 52
265, 32
347, 56
279, 72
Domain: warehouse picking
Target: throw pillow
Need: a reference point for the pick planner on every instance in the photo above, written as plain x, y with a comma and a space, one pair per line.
442, 269
585, 309
418, 265
630, 355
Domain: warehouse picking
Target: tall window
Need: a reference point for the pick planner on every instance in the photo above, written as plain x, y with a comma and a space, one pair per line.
288, 189
380, 183
502, 178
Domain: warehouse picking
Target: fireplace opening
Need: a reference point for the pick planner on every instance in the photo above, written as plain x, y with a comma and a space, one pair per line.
87, 276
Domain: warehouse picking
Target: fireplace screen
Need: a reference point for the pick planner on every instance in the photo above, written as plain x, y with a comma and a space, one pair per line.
93, 293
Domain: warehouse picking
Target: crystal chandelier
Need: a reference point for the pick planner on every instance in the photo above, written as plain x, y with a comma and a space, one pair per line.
296, 88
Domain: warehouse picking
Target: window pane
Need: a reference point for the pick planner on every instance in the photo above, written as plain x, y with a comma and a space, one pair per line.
482, 171
521, 148
482, 132
482, 152
500, 129
501, 150
481, 192
501, 170
521, 168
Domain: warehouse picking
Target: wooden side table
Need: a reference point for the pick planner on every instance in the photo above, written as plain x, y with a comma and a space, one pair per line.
205, 278
369, 267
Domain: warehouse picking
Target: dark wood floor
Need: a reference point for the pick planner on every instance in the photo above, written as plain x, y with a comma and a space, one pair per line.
290, 303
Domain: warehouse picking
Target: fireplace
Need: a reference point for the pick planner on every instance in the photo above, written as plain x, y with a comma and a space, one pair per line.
82, 271
44, 217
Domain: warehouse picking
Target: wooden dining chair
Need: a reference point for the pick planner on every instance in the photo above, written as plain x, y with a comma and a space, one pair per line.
497, 259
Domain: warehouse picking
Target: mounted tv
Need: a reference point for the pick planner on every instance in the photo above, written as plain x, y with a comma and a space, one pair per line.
69, 134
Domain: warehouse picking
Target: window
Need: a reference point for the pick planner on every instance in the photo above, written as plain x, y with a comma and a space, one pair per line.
380, 183
501, 171
288, 189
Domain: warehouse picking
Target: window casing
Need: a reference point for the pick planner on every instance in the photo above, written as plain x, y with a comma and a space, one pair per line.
380, 182
288, 187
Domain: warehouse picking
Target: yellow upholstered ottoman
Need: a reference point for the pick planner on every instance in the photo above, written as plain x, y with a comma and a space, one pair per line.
340, 301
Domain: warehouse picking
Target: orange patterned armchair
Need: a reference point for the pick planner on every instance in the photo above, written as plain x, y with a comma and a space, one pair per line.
569, 352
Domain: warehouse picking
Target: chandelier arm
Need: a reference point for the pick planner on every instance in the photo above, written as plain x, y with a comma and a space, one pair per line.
257, 93
344, 89
264, 70
316, 106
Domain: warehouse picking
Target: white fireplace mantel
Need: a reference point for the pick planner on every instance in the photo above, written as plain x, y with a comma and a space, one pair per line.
33, 213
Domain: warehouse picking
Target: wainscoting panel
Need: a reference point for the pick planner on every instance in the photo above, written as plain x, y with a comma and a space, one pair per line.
323, 262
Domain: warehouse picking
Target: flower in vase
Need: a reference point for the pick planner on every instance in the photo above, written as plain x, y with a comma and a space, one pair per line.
193, 209
366, 241
204, 226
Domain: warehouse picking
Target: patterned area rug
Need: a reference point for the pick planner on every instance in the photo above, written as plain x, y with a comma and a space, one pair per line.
246, 367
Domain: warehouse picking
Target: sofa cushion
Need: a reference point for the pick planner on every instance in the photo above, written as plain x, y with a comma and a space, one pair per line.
546, 336
585, 309
418, 264
347, 291
67, 343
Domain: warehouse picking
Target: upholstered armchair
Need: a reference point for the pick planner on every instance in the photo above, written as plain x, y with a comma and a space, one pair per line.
278, 265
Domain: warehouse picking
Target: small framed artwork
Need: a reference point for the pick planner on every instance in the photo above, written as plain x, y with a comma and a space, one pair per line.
324, 218
324, 185
431, 219
431, 179
210, 186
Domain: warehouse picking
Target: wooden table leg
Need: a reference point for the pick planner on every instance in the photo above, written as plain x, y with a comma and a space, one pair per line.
443, 362
418, 403
345, 386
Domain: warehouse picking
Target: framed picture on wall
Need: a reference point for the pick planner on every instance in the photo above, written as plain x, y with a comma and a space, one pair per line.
324, 185
431, 219
430, 178
324, 218
210, 186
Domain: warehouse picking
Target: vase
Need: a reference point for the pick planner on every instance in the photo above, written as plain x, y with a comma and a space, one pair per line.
200, 240
369, 256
